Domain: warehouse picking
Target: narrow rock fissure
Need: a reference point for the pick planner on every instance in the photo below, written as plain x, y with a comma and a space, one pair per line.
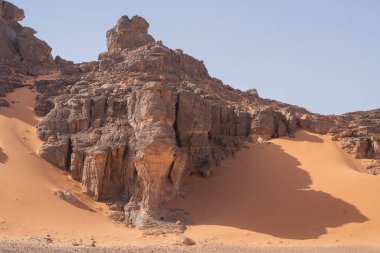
69, 153
170, 179
124, 167
369, 148
175, 126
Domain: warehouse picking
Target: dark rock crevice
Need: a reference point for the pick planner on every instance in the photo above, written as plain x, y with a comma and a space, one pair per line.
69, 153
175, 126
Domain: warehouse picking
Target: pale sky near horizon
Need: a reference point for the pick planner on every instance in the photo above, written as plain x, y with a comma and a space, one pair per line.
323, 55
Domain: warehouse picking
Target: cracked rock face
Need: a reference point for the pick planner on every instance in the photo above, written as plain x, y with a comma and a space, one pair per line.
132, 126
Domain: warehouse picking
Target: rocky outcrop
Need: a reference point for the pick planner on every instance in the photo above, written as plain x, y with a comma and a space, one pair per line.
270, 123
9, 80
18, 43
357, 133
21, 53
360, 137
132, 126
56, 151
11, 12
10, 15
66, 67
128, 34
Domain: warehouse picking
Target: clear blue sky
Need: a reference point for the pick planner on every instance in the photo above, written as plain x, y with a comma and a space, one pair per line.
320, 54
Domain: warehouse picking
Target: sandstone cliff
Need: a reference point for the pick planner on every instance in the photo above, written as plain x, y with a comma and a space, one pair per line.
134, 124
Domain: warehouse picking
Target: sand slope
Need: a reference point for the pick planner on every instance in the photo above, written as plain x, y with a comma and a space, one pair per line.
28, 205
290, 190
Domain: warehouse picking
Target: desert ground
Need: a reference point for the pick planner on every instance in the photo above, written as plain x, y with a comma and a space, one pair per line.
287, 195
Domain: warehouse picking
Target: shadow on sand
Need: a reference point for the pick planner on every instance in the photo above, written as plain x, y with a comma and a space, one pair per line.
265, 191
72, 200
79, 204
3, 156
304, 137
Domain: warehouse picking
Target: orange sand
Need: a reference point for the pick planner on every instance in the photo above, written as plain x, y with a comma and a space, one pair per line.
296, 191
291, 191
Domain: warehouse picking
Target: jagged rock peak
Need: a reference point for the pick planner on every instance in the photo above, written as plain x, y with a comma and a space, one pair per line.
128, 34
18, 45
10, 11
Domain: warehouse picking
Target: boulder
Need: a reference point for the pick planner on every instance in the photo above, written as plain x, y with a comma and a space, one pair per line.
184, 240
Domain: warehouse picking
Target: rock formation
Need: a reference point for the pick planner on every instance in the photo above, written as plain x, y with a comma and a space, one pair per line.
9, 79
132, 126
128, 34
358, 132
20, 51
17, 43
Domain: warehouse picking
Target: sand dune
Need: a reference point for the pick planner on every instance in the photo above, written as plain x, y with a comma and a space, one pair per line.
301, 191
285, 191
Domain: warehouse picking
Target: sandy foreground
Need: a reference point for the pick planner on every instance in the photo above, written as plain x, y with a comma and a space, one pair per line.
287, 195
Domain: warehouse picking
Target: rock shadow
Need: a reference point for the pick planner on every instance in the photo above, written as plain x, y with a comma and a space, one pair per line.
3, 156
79, 204
264, 190
72, 200
305, 137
